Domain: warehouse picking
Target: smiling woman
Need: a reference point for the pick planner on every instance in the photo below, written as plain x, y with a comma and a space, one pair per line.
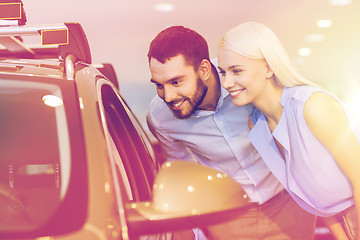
290, 127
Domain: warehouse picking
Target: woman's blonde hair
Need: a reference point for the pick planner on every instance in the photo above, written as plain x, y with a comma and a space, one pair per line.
255, 40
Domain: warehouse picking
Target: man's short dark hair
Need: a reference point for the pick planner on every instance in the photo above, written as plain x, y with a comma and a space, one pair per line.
179, 40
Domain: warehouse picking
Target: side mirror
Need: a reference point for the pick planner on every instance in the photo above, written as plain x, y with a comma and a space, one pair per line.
187, 195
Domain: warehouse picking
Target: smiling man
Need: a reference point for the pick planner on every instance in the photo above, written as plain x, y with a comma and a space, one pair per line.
194, 119
176, 86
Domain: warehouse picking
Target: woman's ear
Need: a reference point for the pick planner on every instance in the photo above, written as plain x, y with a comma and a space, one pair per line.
204, 70
269, 73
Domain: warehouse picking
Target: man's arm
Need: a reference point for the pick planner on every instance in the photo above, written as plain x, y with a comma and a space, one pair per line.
171, 149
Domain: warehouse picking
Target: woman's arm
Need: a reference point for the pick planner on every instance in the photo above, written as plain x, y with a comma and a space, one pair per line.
326, 119
335, 227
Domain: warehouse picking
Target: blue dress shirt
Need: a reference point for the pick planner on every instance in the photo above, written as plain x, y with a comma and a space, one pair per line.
218, 139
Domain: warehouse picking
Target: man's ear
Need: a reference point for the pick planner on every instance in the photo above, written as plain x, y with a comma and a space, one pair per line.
204, 70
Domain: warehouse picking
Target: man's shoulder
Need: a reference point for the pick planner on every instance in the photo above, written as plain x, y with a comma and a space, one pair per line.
159, 110
156, 104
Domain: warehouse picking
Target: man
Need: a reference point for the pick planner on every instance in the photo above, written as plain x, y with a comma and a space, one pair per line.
194, 119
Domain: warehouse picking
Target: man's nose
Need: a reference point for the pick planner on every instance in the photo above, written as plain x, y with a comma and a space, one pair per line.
169, 94
227, 82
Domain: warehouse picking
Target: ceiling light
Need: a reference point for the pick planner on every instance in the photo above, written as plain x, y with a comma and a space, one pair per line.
300, 61
315, 37
304, 52
324, 23
164, 7
340, 2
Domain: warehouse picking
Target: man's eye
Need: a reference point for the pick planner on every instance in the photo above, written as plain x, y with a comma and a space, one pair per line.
222, 73
176, 83
159, 86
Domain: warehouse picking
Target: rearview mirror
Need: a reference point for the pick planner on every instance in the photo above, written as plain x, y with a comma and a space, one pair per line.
187, 195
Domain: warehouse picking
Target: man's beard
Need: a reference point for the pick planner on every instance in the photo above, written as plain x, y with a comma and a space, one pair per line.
194, 101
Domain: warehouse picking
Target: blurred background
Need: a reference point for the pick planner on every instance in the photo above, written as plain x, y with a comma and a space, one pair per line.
322, 37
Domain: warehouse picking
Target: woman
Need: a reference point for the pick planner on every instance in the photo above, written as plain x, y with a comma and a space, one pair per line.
300, 130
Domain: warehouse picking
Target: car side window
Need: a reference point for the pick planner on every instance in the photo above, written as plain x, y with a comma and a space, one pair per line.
135, 155
41, 149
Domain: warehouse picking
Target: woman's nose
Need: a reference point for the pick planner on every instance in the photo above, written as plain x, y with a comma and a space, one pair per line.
227, 82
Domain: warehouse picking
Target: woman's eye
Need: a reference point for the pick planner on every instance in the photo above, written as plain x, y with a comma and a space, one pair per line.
236, 71
222, 73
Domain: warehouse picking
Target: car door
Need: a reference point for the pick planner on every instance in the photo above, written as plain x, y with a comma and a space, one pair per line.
134, 166
133, 156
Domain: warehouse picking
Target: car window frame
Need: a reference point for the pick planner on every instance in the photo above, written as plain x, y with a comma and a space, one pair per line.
134, 132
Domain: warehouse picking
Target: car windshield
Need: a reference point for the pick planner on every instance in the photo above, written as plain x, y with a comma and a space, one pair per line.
34, 153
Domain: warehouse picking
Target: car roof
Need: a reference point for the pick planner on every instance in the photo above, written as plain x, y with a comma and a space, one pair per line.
57, 41
62, 46
57, 49
32, 67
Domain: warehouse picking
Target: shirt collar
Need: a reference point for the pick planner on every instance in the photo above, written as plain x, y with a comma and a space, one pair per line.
203, 113
284, 96
223, 94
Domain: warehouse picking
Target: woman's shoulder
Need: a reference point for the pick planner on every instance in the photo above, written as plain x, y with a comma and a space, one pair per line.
323, 105
300, 93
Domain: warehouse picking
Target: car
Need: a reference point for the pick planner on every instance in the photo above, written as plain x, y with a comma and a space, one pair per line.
74, 161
